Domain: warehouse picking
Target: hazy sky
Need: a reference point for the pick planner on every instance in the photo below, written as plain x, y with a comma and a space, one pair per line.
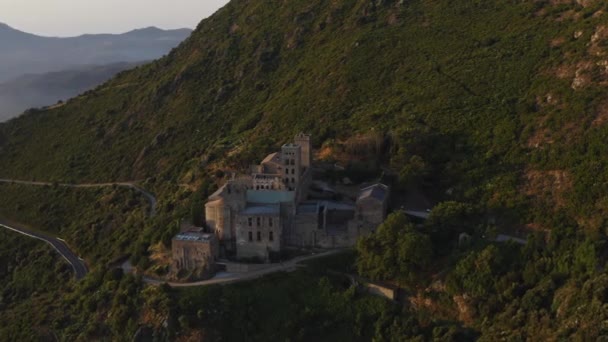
75, 17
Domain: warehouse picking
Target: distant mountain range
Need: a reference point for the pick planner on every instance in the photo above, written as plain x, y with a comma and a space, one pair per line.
37, 71
23, 52
39, 90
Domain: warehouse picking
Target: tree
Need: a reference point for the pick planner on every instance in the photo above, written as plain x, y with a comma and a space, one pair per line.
448, 219
396, 251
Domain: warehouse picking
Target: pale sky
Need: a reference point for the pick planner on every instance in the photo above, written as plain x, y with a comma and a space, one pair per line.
76, 17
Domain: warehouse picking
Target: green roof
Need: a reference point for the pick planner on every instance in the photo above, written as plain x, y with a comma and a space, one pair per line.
270, 196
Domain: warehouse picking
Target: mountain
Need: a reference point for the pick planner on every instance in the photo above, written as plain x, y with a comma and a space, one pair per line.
40, 90
27, 53
484, 108
496, 109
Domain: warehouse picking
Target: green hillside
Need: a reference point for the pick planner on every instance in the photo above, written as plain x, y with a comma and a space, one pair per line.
495, 108
482, 91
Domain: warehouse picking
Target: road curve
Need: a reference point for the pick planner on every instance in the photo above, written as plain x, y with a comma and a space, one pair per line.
80, 269
241, 277
149, 197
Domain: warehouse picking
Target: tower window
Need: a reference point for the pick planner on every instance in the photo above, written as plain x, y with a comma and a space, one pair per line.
271, 236
259, 236
250, 236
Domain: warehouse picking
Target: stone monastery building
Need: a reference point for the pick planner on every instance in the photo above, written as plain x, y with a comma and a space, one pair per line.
273, 207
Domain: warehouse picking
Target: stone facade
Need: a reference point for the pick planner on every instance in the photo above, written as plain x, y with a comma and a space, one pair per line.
196, 252
305, 142
259, 231
278, 182
372, 205
261, 213
330, 224
222, 209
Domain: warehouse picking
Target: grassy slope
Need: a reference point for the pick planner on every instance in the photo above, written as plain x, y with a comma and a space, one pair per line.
251, 76
100, 224
256, 73
32, 274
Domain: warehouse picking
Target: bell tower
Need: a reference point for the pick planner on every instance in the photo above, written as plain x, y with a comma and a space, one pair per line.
305, 143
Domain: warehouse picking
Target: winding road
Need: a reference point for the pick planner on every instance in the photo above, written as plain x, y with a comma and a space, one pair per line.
80, 269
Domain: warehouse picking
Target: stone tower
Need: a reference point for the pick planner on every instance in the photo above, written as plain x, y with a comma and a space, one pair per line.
221, 211
291, 158
305, 143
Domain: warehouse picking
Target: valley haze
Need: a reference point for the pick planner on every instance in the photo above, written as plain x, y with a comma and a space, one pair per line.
37, 71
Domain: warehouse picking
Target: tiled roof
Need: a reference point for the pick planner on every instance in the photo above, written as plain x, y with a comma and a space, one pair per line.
273, 157
377, 191
216, 195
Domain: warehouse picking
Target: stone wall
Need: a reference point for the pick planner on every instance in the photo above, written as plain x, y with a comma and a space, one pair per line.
195, 256
371, 211
304, 228
257, 235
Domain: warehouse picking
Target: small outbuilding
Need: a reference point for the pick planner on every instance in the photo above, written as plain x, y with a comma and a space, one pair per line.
195, 252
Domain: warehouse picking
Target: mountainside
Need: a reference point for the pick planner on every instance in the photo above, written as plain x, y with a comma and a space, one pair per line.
503, 103
496, 109
29, 91
27, 53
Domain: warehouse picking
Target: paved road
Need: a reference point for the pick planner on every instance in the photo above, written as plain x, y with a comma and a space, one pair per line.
241, 277
149, 197
59, 245
80, 269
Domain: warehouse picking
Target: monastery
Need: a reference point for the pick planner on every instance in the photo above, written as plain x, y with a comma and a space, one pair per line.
277, 206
